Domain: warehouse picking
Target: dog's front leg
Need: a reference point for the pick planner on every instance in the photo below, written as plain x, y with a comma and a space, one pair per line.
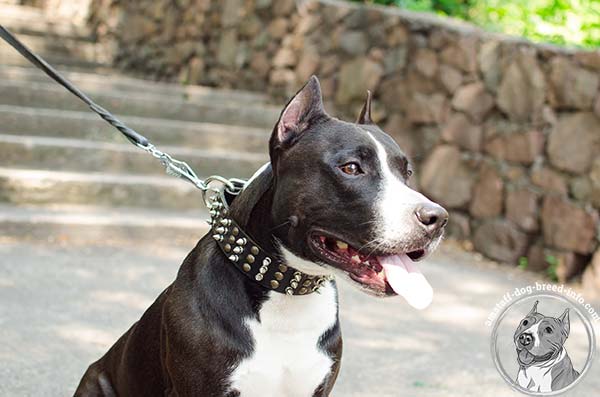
326, 387
196, 357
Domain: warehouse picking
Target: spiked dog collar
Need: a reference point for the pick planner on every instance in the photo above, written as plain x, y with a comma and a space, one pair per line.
250, 259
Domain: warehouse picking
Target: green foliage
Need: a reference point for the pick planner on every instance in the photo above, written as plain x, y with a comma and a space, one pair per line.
564, 22
552, 262
555, 21
523, 263
457, 8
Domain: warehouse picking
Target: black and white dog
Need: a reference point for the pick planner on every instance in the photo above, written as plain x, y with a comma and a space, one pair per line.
332, 201
544, 364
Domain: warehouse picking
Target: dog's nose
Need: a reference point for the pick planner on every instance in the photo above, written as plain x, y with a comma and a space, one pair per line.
525, 339
432, 216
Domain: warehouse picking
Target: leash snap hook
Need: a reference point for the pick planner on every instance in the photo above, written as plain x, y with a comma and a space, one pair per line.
214, 192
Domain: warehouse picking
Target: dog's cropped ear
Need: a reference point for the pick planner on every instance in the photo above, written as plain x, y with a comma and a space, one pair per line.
565, 322
365, 114
533, 309
302, 110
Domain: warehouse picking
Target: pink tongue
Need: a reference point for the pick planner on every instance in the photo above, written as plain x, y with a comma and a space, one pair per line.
406, 280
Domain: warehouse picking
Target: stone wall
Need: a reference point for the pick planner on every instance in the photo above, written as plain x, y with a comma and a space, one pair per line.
504, 133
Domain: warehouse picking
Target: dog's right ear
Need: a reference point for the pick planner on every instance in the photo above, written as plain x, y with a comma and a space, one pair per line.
533, 309
302, 110
564, 321
365, 114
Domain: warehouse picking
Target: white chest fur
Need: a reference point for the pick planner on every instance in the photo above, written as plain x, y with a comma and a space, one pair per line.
539, 377
287, 360
535, 379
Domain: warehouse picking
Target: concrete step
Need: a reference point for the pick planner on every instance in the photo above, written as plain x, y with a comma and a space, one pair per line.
10, 56
56, 51
47, 95
59, 62
89, 224
19, 120
21, 19
42, 187
64, 154
118, 82
13, 9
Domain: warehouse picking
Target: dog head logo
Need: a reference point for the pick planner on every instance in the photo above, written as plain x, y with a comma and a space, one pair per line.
544, 364
344, 185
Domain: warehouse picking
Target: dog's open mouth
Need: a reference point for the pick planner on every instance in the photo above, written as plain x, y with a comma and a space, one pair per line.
525, 356
381, 274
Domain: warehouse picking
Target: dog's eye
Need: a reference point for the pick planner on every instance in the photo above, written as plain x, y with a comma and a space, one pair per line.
525, 322
549, 330
351, 168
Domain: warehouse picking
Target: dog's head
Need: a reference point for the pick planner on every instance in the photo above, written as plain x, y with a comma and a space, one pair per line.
344, 188
539, 338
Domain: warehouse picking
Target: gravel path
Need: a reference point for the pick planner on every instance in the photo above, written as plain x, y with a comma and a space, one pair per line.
63, 305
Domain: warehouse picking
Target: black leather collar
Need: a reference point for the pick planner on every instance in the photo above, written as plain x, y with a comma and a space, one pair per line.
250, 259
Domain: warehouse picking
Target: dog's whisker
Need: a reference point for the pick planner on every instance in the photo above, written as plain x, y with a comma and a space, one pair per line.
376, 248
368, 243
280, 225
373, 222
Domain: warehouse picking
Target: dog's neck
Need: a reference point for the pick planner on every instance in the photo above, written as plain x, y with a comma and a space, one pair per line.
252, 210
253, 241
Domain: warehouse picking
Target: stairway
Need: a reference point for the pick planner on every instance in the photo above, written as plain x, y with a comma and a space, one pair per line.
66, 176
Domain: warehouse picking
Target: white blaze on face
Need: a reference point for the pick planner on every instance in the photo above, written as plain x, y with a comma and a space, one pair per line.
396, 202
534, 330
395, 214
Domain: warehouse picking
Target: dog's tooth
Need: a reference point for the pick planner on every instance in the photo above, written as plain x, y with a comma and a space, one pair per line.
341, 245
356, 259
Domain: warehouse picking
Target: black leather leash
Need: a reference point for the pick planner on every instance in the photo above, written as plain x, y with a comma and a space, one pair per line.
130, 134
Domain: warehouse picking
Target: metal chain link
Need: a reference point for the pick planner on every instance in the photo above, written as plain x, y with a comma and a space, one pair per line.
182, 170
